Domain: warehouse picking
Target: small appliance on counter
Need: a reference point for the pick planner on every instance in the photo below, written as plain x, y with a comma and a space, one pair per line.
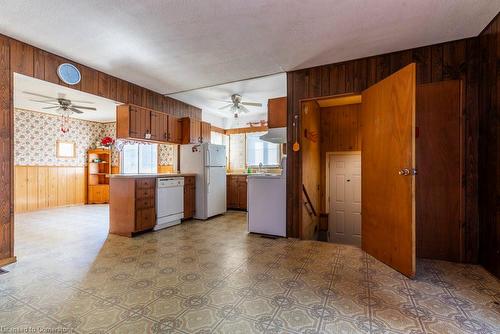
169, 201
208, 162
266, 196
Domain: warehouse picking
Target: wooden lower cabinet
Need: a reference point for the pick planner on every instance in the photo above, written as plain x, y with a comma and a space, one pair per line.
98, 194
132, 205
189, 196
236, 192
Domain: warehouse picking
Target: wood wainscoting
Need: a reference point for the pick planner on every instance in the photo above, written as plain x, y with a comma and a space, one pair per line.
43, 187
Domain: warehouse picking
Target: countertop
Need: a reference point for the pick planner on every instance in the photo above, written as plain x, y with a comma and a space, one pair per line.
254, 174
139, 176
264, 176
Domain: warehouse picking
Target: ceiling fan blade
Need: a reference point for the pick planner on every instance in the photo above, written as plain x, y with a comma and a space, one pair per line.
79, 101
253, 104
243, 109
46, 102
226, 106
53, 107
40, 95
82, 107
73, 109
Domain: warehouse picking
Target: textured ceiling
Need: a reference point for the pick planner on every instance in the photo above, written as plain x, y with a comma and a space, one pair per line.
177, 45
258, 90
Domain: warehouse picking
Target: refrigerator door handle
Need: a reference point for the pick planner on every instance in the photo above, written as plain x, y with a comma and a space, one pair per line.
208, 175
209, 156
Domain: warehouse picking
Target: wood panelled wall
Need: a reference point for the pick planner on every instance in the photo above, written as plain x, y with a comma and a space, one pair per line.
28, 60
451, 60
310, 143
19, 57
489, 147
43, 187
340, 131
340, 128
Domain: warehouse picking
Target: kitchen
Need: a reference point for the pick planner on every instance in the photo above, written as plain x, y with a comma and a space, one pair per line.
245, 170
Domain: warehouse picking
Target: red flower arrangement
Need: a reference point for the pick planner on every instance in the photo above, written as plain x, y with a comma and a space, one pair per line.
107, 141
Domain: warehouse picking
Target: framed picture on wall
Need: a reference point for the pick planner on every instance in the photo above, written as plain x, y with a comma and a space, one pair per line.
65, 149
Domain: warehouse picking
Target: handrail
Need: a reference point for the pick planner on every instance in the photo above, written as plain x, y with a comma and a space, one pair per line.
308, 201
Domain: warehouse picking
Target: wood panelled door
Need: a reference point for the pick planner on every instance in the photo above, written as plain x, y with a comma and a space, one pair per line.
344, 225
388, 150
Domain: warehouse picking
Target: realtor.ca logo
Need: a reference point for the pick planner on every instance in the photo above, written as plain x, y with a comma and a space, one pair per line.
29, 329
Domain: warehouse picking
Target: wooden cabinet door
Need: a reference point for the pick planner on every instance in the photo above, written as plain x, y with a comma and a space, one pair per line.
276, 112
145, 219
189, 197
232, 192
195, 131
387, 182
134, 122
159, 125
145, 123
205, 132
242, 192
140, 123
174, 134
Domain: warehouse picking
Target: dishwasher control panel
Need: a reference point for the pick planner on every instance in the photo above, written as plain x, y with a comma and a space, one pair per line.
167, 182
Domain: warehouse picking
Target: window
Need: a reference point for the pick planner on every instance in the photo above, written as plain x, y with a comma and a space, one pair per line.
220, 139
216, 138
259, 151
65, 149
139, 159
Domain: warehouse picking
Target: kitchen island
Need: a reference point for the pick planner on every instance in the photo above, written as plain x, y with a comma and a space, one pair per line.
133, 202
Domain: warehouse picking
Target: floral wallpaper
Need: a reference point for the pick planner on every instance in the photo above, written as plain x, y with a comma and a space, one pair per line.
35, 136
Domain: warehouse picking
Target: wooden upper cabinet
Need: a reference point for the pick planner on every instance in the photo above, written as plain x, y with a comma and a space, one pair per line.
276, 112
191, 130
174, 132
205, 129
133, 122
159, 126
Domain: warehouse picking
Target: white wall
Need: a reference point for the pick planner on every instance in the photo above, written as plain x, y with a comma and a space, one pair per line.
212, 119
242, 120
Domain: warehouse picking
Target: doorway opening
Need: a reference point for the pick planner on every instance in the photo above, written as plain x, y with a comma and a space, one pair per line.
408, 140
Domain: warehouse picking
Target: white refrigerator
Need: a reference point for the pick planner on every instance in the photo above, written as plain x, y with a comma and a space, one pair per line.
208, 162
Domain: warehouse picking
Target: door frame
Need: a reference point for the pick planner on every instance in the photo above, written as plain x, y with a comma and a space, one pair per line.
327, 182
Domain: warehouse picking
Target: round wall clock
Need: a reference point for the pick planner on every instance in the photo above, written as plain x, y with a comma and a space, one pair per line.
69, 74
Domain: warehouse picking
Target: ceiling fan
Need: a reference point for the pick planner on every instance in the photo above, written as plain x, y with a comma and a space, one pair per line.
237, 106
61, 105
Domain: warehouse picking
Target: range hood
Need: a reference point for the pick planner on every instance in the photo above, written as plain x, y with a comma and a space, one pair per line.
275, 135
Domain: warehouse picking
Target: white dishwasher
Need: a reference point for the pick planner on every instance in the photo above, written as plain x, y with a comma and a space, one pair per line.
169, 201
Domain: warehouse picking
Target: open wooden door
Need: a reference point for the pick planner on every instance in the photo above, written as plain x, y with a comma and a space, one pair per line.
388, 159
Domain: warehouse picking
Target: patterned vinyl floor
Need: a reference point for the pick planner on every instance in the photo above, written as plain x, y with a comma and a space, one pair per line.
213, 277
